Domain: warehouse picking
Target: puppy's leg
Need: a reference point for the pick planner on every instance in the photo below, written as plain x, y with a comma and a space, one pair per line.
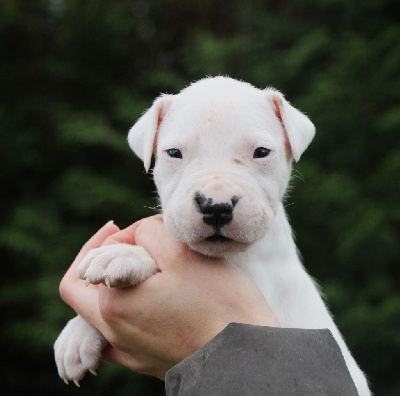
79, 346
116, 265
78, 349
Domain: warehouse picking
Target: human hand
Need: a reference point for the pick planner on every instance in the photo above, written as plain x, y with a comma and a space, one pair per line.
158, 323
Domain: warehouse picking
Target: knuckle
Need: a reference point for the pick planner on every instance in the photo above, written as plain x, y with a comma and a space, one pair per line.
141, 366
65, 292
109, 309
115, 341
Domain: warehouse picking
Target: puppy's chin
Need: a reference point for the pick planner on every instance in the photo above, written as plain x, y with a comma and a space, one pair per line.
218, 248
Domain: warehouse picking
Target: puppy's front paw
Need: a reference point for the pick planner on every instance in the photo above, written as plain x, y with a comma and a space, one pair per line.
78, 349
116, 265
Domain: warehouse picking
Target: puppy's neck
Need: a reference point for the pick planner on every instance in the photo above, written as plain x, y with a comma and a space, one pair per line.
275, 249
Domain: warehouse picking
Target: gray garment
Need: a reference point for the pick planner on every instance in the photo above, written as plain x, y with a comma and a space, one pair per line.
255, 360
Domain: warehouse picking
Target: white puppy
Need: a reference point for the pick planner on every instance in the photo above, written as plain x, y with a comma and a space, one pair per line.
223, 162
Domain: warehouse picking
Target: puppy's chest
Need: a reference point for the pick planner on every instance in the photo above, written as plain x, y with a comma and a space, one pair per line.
286, 289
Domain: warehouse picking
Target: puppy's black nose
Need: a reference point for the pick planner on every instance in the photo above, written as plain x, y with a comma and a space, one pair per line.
216, 215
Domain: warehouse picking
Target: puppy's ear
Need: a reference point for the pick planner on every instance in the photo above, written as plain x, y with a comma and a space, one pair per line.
299, 129
143, 135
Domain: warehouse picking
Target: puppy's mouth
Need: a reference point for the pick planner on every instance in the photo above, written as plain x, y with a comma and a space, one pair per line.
218, 238
218, 245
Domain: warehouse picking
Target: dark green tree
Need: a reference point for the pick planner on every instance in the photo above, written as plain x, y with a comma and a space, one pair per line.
75, 75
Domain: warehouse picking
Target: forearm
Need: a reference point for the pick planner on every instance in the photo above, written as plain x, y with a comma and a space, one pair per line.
257, 360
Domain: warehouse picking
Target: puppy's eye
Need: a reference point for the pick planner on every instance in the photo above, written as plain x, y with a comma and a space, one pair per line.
174, 153
261, 152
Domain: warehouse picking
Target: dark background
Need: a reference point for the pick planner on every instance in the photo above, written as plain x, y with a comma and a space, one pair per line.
75, 75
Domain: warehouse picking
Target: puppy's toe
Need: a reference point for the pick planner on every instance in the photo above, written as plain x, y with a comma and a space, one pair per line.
117, 265
93, 265
85, 263
130, 270
95, 272
78, 349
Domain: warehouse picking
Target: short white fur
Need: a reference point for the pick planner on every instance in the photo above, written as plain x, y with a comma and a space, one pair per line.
217, 124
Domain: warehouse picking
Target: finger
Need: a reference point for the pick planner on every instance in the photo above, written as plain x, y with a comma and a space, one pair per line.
134, 361
95, 241
153, 236
127, 235
113, 355
84, 300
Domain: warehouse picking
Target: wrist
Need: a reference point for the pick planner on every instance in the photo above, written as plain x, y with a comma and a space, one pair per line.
266, 319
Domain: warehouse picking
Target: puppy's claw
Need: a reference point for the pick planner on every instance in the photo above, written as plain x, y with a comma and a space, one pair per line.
76, 382
65, 379
87, 282
107, 283
93, 371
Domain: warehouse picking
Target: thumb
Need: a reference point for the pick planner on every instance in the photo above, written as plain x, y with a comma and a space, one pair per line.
127, 235
95, 241
153, 236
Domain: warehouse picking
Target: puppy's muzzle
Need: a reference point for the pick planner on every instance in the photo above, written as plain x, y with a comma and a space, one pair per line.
216, 215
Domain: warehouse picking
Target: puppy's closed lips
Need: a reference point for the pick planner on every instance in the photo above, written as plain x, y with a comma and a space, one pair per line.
218, 238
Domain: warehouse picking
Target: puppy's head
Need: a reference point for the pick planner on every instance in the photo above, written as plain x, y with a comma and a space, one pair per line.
223, 159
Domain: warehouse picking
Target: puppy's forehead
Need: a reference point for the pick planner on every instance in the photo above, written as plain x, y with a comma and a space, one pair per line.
220, 105
221, 90
218, 83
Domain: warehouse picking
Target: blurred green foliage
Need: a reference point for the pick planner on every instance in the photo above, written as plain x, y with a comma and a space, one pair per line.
75, 75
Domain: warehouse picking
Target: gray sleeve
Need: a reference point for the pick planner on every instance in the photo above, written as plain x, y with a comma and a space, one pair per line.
255, 360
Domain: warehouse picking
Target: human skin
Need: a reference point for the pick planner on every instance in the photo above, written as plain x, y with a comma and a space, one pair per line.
153, 326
